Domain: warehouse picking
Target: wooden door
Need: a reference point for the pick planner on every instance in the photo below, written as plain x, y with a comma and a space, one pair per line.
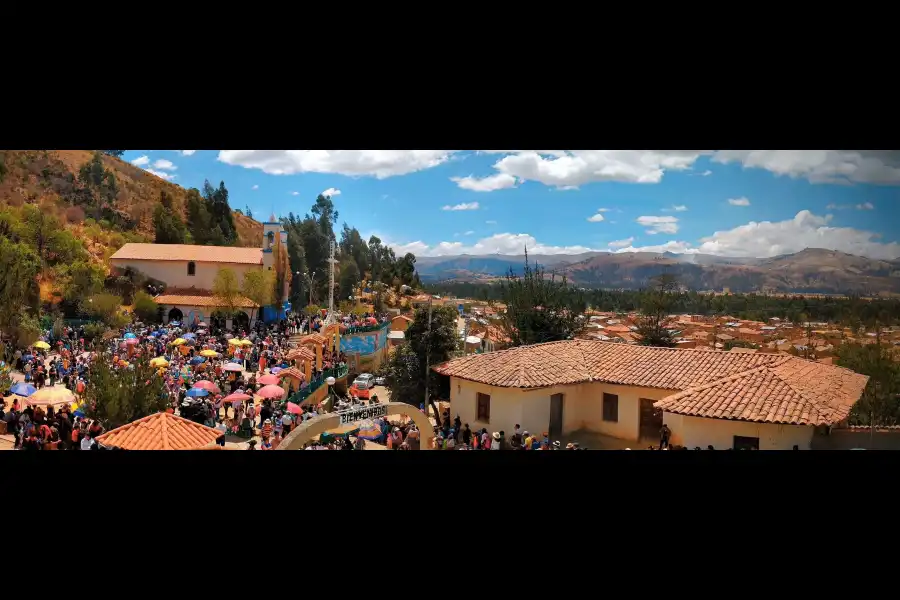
651, 420
556, 416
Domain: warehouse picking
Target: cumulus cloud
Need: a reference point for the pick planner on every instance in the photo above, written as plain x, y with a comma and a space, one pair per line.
255, 187
187, 152
490, 222
331, 192
165, 165
295, 193
671, 246
491, 183
161, 174
354, 163
141, 161
676, 208
621, 243
822, 166
738, 201
501, 243
597, 218
659, 224
463, 206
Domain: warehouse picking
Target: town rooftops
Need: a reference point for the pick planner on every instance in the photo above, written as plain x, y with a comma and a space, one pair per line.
189, 253
762, 387
162, 431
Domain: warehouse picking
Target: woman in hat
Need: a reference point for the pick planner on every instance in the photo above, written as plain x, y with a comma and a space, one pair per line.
495, 444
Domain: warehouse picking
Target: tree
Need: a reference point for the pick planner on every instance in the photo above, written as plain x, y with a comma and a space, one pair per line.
312, 310
349, 279
19, 267
199, 221
145, 307
226, 291
117, 396
116, 153
259, 286
427, 346
107, 308
79, 280
880, 402
169, 227
655, 312
248, 212
540, 309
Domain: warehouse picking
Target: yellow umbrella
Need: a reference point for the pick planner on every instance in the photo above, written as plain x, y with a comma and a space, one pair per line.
246, 342
179, 342
159, 361
209, 353
234, 342
52, 396
42, 345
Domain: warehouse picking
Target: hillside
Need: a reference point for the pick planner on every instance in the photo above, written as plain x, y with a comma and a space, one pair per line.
50, 179
810, 271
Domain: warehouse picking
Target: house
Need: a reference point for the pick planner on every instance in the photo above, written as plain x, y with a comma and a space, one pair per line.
188, 271
400, 323
750, 335
723, 399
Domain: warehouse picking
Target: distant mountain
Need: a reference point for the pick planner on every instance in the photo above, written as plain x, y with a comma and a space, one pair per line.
813, 270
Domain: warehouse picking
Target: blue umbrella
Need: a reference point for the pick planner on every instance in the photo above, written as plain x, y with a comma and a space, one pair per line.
156, 333
22, 389
198, 360
197, 392
28, 357
79, 413
189, 336
130, 336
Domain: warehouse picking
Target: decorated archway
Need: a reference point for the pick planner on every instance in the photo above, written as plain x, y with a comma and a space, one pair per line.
175, 315
318, 425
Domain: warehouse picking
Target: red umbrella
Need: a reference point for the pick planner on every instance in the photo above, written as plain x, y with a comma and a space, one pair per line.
270, 391
269, 380
236, 397
209, 386
294, 408
372, 320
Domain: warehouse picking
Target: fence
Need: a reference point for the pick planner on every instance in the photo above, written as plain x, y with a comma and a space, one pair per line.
319, 381
365, 328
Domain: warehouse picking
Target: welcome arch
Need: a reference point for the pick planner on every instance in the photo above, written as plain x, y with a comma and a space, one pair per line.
318, 425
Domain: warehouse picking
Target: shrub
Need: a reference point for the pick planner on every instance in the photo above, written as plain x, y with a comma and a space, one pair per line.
145, 307
75, 214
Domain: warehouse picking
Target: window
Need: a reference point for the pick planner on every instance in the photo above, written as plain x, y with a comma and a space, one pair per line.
746, 443
192, 268
611, 408
484, 407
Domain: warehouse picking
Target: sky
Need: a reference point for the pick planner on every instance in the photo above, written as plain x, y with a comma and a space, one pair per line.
738, 203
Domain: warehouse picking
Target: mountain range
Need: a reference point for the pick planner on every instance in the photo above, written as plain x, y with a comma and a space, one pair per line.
812, 271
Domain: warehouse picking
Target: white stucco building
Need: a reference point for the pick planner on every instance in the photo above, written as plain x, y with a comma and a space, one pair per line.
188, 271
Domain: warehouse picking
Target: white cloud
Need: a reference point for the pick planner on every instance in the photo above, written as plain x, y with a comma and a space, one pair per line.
469, 233
187, 152
671, 246
501, 243
354, 163
140, 161
865, 206
597, 218
659, 224
161, 174
490, 222
621, 243
492, 183
706, 173
295, 193
676, 208
822, 166
332, 192
165, 165
738, 202
604, 209
463, 206
255, 187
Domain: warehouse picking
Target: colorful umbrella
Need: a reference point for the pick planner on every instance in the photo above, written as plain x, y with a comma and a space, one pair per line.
52, 396
22, 389
197, 392
270, 391
246, 342
159, 361
42, 345
209, 353
198, 360
131, 341
275, 370
370, 430
233, 367
236, 398
179, 342
130, 336
268, 380
204, 384
234, 342
294, 408
189, 336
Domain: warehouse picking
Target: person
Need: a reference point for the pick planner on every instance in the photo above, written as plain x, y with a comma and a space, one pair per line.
711, 448
495, 444
87, 441
251, 445
664, 434
286, 422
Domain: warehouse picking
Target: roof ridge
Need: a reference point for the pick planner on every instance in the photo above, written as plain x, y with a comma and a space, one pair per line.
715, 382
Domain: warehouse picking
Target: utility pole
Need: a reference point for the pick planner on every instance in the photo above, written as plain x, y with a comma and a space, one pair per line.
437, 417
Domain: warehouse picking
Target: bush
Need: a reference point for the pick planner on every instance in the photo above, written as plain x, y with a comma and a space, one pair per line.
94, 331
75, 214
145, 307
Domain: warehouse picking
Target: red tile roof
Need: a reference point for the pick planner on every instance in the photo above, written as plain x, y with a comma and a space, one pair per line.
189, 252
162, 431
200, 300
291, 372
313, 338
301, 353
790, 391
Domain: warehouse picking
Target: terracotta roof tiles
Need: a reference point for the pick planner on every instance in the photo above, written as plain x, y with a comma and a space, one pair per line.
301, 353
291, 372
162, 431
200, 300
189, 252
313, 338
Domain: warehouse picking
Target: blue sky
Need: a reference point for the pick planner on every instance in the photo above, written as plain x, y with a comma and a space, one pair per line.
435, 202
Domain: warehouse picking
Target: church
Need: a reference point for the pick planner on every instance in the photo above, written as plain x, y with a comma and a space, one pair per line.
188, 271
